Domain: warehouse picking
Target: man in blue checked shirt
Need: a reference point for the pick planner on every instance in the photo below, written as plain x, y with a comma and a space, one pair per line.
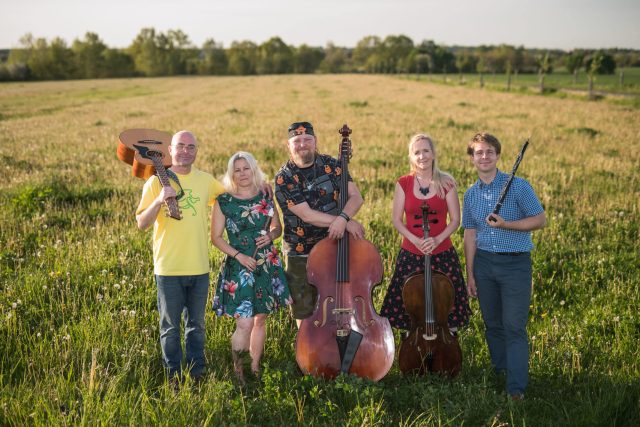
498, 259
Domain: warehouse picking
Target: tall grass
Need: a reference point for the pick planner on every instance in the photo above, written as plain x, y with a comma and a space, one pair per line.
78, 323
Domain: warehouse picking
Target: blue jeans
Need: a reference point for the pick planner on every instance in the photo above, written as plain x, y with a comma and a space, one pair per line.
503, 283
175, 295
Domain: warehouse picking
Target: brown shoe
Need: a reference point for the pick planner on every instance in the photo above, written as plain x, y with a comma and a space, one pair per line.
516, 397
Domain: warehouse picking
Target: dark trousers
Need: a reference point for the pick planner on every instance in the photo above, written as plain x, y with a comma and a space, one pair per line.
504, 291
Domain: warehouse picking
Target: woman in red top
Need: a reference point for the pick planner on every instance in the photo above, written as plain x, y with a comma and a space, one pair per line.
425, 183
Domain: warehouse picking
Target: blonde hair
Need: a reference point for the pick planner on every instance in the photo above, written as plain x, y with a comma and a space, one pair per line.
258, 175
442, 181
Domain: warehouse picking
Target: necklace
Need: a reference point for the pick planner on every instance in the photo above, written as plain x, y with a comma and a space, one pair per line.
423, 190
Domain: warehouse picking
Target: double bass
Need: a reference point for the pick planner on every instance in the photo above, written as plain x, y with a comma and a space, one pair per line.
345, 335
147, 151
428, 299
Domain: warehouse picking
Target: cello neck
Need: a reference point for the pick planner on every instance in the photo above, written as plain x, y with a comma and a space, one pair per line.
429, 312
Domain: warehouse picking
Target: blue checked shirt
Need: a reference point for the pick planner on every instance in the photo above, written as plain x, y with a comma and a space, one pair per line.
521, 202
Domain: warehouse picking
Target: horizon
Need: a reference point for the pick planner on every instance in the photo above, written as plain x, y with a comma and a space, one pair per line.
567, 26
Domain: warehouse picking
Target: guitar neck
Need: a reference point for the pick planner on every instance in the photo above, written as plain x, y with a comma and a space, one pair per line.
172, 203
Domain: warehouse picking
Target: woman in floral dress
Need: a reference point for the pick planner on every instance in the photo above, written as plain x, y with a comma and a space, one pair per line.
251, 283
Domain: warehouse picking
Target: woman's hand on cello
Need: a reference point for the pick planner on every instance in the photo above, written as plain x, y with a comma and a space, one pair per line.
426, 246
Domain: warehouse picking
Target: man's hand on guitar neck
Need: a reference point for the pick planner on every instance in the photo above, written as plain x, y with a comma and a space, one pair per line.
146, 218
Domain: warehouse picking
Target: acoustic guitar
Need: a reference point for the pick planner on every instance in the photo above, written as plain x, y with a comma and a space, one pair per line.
147, 151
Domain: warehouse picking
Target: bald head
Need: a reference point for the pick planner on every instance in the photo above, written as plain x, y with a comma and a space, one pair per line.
185, 137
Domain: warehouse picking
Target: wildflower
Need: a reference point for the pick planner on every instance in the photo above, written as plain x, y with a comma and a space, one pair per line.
67, 337
38, 335
621, 213
116, 286
44, 287
9, 315
14, 305
99, 297
616, 319
599, 247
560, 215
132, 313
104, 272
562, 302
19, 302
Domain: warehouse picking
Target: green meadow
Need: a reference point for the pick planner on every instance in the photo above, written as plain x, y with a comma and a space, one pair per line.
78, 319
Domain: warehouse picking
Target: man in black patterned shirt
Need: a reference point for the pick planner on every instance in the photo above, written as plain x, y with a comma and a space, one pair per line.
307, 190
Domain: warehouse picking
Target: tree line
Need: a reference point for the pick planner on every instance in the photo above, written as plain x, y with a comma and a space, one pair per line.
154, 53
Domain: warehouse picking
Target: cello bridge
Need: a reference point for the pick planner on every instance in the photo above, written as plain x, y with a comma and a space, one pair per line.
343, 311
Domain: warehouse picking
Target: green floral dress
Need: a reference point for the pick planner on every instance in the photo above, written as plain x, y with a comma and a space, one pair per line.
242, 293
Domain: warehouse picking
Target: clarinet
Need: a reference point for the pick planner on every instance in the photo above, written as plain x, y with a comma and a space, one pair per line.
505, 189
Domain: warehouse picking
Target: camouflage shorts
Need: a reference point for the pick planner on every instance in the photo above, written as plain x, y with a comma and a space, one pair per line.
304, 295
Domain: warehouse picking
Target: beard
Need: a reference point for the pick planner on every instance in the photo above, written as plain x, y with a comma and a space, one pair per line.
304, 158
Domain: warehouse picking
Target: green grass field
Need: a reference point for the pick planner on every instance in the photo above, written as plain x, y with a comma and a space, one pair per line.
557, 84
78, 322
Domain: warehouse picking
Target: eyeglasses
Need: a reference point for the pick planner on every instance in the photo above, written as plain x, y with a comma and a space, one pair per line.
183, 147
487, 153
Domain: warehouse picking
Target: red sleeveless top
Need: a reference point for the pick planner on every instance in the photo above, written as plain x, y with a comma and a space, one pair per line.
412, 209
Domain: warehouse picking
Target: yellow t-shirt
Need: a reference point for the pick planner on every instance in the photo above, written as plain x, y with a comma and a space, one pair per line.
181, 247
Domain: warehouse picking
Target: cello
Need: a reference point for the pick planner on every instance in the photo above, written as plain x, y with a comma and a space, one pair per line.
345, 335
428, 298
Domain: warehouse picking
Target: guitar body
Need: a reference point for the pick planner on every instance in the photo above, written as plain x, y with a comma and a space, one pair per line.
154, 140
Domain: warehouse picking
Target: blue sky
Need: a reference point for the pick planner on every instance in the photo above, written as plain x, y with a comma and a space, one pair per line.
533, 23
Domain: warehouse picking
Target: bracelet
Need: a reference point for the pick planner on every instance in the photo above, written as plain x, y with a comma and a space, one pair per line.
236, 254
345, 216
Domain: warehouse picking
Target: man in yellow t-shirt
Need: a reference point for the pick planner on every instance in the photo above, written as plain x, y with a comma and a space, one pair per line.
181, 254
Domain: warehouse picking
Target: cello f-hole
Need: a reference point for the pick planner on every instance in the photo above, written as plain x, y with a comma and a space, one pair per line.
364, 320
324, 312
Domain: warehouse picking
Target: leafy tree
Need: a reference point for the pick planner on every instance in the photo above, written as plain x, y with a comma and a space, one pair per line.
118, 63
89, 56
441, 59
335, 59
604, 63
465, 61
307, 59
148, 55
395, 53
544, 67
45, 61
367, 54
213, 59
274, 57
574, 61
243, 58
